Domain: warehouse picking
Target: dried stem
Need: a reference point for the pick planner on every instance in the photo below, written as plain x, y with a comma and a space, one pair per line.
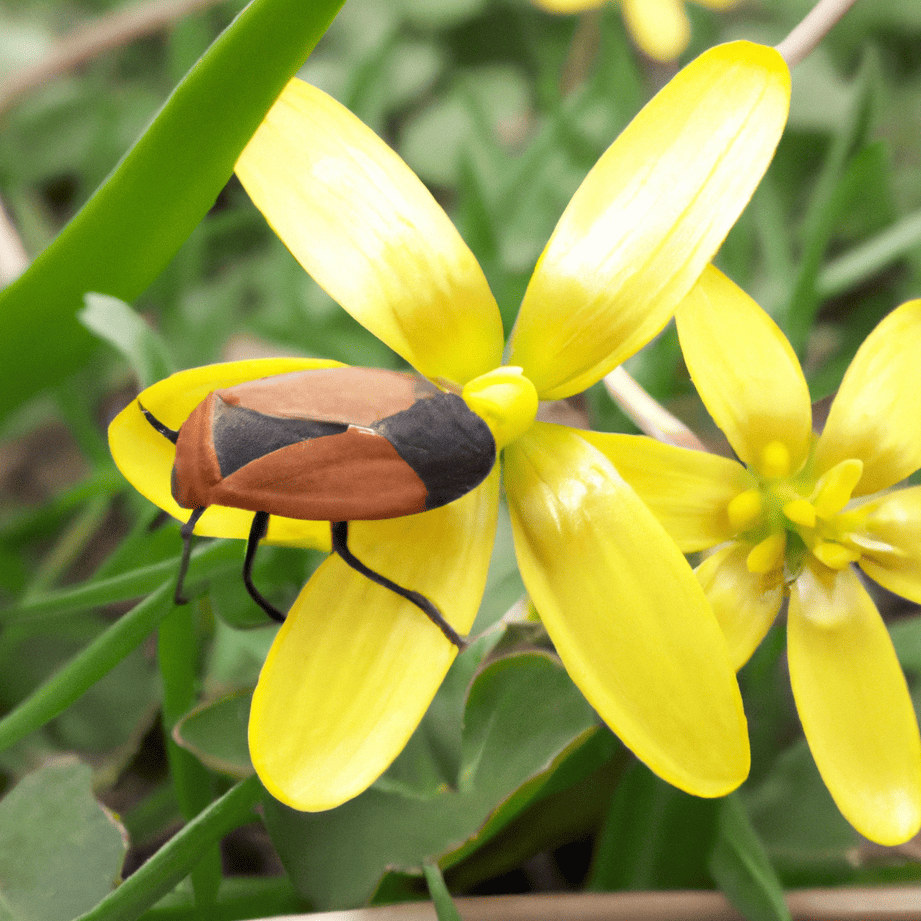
13, 257
89, 41
886, 903
648, 415
804, 38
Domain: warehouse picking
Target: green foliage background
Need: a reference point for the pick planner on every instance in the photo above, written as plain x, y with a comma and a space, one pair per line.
509, 784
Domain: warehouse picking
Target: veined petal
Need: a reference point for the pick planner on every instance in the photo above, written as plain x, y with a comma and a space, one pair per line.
660, 27
649, 217
687, 491
355, 666
745, 371
892, 556
876, 415
145, 457
854, 705
745, 603
626, 615
368, 231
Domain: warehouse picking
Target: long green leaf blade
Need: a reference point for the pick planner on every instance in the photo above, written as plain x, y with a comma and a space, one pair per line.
131, 227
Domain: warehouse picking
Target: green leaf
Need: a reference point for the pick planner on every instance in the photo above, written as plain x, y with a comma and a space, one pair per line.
798, 822
128, 231
741, 868
86, 668
522, 714
117, 323
906, 637
654, 837
216, 734
60, 851
178, 857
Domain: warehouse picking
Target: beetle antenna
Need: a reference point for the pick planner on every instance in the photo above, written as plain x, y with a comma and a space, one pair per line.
256, 533
164, 430
340, 531
186, 532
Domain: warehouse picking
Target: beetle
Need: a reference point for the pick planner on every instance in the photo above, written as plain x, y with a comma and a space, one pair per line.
331, 444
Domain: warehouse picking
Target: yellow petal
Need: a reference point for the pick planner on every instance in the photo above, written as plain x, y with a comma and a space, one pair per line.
892, 553
145, 457
626, 615
876, 415
660, 27
854, 705
745, 371
745, 603
362, 224
354, 667
688, 491
649, 217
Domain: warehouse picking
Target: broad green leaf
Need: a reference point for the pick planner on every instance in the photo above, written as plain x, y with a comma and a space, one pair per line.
60, 851
117, 323
216, 734
124, 236
741, 868
523, 712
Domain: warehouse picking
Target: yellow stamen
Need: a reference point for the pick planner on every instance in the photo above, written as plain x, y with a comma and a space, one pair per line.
833, 491
768, 555
834, 556
775, 460
801, 512
745, 509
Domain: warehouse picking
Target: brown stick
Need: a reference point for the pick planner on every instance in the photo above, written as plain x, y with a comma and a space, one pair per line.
90, 40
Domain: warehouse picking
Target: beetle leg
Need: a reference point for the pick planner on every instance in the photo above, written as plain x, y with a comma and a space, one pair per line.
340, 531
186, 532
256, 533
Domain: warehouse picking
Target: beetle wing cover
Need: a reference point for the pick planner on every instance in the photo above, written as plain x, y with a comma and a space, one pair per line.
354, 396
352, 476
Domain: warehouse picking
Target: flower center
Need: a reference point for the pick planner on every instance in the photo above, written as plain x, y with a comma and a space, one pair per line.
787, 515
505, 400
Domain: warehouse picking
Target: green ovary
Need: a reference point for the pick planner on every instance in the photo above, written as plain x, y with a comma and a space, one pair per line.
788, 515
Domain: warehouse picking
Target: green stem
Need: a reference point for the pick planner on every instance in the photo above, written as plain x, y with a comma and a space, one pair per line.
176, 859
86, 668
177, 654
208, 561
441, 898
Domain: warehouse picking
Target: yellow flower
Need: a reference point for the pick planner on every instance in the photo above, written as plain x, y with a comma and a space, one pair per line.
794, 519
659, 27
355, 666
